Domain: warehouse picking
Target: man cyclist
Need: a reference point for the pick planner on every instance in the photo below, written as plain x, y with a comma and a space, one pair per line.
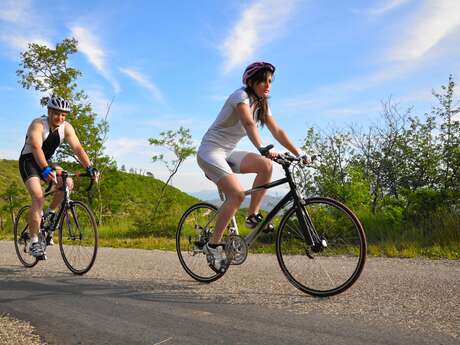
44, 135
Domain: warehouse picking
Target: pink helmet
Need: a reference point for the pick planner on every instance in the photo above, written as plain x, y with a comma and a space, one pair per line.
254, 67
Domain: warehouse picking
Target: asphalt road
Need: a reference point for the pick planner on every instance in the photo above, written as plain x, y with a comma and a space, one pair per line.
143, 297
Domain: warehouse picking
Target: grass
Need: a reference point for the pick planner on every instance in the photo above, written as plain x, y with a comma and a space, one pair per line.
124, 235
413, 250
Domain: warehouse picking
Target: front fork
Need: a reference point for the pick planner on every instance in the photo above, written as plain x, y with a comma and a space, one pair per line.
316, 242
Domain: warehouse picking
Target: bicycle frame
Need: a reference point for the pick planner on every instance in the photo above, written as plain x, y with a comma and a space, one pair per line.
309, 234
66, 200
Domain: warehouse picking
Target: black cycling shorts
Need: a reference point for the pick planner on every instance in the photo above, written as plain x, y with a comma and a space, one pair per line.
28, 168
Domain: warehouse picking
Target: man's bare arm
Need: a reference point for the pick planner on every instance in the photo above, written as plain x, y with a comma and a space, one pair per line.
72, 139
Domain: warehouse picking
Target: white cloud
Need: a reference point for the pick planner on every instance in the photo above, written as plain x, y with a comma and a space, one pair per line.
9, 152
174, 121
170, 122
432, 23
20, 25
258, 25
144, 82
124, 146
21, 43
90, 46
330, 101
347, 111
383, 8
99, 101
15, 11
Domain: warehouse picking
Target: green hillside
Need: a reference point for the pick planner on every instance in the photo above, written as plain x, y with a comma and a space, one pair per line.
123, 203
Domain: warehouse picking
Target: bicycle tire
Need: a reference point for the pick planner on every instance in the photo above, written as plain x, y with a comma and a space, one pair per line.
191, 226
78, 237
22, 238
332, 270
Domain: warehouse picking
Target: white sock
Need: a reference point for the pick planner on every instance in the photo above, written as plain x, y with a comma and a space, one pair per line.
34, 239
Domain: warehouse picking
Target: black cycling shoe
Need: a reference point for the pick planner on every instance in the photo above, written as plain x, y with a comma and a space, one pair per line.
255, 219
37, 251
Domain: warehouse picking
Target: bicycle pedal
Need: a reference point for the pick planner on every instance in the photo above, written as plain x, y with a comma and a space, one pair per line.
268, 229
211, 266
223, 269
43, 257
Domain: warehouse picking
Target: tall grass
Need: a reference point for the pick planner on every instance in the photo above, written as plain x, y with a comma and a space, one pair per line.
387, 236
390, 236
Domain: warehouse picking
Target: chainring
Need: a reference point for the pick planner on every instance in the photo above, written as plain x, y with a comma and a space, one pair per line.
236, 250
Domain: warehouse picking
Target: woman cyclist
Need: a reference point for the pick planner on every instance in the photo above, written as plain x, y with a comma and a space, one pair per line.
243, 111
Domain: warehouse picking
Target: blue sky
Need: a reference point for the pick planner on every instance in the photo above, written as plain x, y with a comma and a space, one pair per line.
173, 63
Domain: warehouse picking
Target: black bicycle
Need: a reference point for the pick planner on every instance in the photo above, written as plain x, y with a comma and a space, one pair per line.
77, 230
320, 244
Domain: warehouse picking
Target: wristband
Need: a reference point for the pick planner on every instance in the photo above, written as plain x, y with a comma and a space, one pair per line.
301, 153
46, 171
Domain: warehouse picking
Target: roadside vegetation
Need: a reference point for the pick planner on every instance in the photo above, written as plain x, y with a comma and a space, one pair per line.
401, 176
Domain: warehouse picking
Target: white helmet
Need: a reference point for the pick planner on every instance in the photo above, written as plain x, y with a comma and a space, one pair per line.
58, 103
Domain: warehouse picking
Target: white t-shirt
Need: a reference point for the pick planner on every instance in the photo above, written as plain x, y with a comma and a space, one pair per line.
227, 130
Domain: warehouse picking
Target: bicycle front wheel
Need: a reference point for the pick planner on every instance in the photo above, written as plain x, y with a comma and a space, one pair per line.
338, 265
78, 237
22, 238
193, 232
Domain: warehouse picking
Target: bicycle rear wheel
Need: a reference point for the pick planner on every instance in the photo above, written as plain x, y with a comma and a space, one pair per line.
193, 232
336, 267
78, 237
22, 238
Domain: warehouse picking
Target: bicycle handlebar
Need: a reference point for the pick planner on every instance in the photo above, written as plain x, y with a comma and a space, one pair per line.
70, 174
264, 150
287, 158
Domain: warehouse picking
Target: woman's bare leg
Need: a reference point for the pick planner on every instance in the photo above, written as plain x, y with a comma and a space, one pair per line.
234, 195
254, 163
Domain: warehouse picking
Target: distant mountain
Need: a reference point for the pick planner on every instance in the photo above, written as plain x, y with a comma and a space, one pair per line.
206, 195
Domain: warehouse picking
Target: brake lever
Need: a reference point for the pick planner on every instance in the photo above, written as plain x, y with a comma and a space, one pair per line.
90, 185
48, 188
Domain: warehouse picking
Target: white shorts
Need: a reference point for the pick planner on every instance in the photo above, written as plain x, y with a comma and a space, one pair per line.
218, 163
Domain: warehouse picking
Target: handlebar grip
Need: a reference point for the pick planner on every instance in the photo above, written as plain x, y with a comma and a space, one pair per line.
264, 150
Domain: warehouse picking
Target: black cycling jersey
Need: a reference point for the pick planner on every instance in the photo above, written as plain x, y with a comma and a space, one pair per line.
51, 140
28, 167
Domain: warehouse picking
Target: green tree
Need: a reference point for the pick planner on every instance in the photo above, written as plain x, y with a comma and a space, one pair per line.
378, 152
181, 145
419, 156
14, 198
447, 112
47, 70
333, 153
